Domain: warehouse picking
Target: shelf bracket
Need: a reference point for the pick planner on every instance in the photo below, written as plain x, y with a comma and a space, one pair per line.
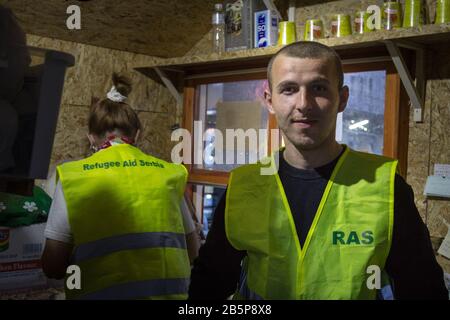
414, 89
169, 85
271, 6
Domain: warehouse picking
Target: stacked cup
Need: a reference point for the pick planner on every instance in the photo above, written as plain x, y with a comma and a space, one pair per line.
442, 11
340, 25
360, 22
413, 14
313, 29
286, 32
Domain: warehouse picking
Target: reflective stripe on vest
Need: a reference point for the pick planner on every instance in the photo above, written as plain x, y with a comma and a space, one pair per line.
245, 293
351, 230
124, 213
142, 289
106, 246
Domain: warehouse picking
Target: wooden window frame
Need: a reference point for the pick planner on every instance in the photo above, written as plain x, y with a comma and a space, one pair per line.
396, 116
396, 112
201, 176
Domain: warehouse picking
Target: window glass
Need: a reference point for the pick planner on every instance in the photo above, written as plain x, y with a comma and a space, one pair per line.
231, 105
361, 125
206, 198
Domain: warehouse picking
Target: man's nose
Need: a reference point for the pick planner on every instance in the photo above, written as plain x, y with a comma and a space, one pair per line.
302, 100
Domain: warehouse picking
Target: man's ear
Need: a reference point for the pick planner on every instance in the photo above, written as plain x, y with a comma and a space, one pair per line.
268, 98
343, 98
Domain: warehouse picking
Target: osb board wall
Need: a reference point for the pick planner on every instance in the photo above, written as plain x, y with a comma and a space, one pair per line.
202, 47
152, 27
429, 143
91, 76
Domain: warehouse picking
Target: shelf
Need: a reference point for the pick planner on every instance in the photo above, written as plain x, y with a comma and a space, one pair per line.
423, 36
355, 48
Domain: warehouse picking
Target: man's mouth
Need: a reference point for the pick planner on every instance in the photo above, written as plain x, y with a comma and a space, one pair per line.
304, 123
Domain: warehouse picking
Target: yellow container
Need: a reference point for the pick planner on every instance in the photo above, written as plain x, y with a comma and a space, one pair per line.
313, 29
391, 15
340, 25
413, 14
442, 11
286, 32
360, 23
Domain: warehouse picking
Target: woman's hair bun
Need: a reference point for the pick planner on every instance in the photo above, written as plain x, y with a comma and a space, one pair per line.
122, 84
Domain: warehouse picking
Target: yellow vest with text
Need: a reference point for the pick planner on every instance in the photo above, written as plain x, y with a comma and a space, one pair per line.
351, 232
124, 214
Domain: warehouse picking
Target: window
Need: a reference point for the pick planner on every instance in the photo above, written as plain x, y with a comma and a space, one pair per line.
228, 102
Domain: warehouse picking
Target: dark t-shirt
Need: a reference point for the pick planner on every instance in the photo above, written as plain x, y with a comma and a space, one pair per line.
411, 264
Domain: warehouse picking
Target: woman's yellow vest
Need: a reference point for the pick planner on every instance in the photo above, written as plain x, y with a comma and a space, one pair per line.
124, 213
351, 231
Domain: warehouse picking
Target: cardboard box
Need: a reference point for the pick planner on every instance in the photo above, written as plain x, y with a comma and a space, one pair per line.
239, 23
20, 257
266, 29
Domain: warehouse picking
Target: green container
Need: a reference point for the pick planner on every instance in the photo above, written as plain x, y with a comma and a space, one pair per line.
340, 25
391, 15
19, 211
360, 23
313, 29
442, 11
413, 14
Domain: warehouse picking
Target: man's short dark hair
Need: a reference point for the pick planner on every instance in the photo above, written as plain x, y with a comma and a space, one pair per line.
309, 50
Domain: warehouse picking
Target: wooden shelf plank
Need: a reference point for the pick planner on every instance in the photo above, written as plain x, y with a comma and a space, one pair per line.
425, 35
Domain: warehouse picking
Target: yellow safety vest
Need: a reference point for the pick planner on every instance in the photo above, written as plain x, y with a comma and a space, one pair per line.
351, 231
129, 239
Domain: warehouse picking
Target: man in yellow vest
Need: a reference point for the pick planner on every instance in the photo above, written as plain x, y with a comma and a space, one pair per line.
330, 223
116, 215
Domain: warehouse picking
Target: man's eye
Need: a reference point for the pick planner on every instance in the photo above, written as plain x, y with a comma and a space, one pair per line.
288, 90
319, 88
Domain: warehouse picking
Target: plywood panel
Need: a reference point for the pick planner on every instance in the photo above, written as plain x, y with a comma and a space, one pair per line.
91, 76
419, 154
156, 133
439, 133
152, 27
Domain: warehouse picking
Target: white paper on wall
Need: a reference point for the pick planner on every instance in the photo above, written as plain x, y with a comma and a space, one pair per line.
444, 249
442, 170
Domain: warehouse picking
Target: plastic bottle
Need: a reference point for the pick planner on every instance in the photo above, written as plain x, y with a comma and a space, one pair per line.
218, 23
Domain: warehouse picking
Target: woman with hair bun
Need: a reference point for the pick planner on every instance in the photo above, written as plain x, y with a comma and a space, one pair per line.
116, 214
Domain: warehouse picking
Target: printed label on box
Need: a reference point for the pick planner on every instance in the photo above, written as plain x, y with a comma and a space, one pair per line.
266, 29
20, 257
